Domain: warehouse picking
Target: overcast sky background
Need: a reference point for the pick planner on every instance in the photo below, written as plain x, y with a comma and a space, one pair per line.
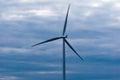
93, 30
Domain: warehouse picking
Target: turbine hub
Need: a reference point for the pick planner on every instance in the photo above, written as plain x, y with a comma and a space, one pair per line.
64, 36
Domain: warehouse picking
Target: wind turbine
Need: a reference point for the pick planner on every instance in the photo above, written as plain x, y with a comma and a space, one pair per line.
63, 37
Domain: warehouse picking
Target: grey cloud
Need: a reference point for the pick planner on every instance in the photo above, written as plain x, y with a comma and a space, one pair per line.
93, 29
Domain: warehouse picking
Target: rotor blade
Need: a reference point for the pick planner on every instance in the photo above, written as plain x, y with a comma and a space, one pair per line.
49, 40
73, 49
65, 24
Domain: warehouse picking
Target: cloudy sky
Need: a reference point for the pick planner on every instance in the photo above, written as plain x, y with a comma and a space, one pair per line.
93, 30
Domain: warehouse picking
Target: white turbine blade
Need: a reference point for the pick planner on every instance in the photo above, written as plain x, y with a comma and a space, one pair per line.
73, 49
49, 40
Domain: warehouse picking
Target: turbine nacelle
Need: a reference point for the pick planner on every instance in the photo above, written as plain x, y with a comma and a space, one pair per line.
65, 36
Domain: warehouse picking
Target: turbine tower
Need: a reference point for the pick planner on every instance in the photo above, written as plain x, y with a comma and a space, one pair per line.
63, 37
